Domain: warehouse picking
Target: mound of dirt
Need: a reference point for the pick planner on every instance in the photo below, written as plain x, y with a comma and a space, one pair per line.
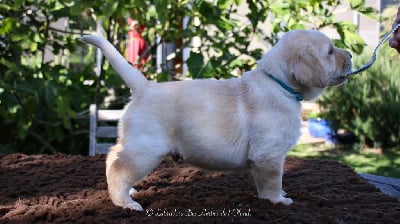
72, 189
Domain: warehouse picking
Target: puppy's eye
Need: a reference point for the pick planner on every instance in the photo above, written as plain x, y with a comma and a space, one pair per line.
330, 51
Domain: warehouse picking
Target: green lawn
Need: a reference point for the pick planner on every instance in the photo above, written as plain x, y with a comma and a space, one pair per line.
361, 161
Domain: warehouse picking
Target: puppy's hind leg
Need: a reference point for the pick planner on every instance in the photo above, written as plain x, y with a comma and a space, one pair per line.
123, 170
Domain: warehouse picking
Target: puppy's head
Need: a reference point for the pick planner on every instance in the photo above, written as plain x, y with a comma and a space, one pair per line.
309, 62
314, 61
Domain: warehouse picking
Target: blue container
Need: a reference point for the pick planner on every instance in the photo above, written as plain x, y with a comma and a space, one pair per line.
319, 128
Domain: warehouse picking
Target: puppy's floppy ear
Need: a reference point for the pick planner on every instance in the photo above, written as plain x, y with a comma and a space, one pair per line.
307, 69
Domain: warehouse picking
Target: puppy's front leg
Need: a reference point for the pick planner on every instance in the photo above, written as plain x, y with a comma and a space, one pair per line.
268, 178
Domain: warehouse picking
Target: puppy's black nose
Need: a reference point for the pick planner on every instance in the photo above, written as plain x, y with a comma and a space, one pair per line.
351, 56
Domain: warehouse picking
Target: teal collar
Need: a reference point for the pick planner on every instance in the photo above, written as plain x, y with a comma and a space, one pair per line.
293, 92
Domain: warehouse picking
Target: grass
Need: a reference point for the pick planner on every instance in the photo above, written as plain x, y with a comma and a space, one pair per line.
362, 161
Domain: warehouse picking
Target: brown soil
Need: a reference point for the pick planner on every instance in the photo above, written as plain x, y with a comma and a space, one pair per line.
72, 189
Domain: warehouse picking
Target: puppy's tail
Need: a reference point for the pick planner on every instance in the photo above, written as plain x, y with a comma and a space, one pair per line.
132, 77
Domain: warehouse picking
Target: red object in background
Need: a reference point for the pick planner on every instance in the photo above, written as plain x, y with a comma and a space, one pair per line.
136, 45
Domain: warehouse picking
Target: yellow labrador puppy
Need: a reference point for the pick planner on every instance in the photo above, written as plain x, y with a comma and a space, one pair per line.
242, 123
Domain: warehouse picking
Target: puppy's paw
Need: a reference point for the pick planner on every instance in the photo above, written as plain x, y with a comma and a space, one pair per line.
133, 205
282, 200
279, 199
132, 192
286, 201
283, 193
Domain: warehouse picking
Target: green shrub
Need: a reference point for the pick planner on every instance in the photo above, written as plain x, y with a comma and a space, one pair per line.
368, 104
44, 103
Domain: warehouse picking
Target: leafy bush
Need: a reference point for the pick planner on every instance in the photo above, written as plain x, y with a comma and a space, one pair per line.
368, 104
43, 104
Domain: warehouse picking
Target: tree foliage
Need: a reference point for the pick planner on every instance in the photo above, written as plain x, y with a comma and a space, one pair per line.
368, 104
44, 102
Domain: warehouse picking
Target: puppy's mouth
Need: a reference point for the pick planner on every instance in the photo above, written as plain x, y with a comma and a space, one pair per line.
345, 74
348, 71
342, 78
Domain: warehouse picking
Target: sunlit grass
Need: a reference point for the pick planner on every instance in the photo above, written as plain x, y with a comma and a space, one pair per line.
387, 164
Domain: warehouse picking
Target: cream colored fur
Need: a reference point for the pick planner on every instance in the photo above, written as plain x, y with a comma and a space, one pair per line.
244, 123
